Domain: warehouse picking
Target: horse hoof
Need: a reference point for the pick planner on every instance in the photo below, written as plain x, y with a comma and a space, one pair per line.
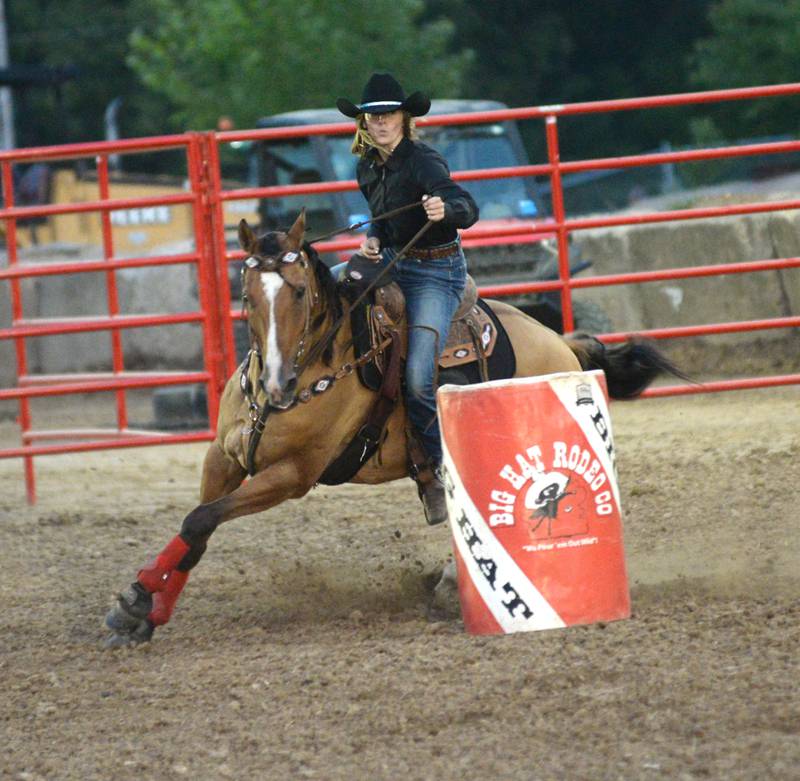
117, 641
136, 601
142, 633
133, 606
128, 618
119, 620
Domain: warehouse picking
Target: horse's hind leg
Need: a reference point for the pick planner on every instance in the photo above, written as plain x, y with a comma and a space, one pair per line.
149, 602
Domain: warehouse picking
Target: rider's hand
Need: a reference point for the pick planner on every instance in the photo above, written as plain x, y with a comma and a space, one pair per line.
371, 248
434, 207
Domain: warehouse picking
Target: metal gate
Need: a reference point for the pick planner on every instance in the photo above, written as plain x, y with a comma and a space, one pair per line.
207, 198
208, 316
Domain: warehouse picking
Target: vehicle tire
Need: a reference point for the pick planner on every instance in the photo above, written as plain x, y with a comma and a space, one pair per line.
180, 407
591, 318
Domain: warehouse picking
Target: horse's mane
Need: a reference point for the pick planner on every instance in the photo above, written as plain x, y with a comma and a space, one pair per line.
332, 303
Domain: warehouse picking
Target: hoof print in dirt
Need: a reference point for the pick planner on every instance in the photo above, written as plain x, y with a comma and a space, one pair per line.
444, 604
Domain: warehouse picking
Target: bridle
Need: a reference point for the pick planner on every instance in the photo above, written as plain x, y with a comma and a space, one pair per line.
258, 413
276, 264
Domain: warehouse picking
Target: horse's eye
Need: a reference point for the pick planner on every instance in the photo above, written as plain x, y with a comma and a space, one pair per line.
299, 293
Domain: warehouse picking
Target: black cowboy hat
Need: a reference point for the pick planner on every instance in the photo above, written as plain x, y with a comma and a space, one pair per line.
383, 94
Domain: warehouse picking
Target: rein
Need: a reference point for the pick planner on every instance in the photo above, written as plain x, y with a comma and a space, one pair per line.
356, 225
259, 414
316, 351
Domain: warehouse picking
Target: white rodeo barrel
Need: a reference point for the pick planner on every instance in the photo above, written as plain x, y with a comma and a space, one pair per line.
533, 502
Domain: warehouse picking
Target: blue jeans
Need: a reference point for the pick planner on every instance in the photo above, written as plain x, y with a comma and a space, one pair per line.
433, 290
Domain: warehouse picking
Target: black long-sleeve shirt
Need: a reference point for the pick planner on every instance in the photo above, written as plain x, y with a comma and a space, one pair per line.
414, 169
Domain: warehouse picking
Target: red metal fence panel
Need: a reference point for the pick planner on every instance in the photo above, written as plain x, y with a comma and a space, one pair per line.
207, 198
119, 380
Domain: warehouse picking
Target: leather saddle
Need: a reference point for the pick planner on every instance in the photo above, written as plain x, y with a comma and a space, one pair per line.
472, 338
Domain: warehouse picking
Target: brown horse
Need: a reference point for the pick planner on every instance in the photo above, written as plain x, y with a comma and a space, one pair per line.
293, 304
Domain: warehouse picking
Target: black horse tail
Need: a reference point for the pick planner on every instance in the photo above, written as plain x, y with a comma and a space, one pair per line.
630, 367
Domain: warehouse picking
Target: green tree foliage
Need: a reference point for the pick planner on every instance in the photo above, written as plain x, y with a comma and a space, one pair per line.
179, 64
92, 37
752, 42
533, 52
248, 58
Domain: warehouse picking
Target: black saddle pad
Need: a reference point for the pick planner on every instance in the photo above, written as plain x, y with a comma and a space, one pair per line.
369, 374
502, 363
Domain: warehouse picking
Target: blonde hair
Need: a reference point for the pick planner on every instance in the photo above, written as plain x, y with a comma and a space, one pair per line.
363, 141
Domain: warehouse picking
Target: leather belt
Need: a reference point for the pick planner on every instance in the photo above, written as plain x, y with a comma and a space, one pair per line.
433, 253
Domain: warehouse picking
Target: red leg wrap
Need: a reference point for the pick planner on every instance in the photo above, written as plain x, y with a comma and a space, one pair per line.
155, 575
164, 601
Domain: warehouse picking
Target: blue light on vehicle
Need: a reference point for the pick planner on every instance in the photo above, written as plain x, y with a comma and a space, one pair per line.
527, 208
354, 218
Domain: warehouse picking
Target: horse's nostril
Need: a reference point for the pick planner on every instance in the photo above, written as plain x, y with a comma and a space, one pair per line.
291, 386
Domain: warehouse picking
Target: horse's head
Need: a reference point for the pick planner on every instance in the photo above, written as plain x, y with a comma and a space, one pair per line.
283, 284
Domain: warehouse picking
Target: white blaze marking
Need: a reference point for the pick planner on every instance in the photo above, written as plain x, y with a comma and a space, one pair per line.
272, 282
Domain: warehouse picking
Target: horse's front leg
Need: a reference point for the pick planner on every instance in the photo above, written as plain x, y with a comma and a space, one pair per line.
149, 601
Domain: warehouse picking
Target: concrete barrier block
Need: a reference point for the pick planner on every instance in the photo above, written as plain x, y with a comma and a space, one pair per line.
609, 252
784, 234
72, 296
161, 290
157, 290
691, 243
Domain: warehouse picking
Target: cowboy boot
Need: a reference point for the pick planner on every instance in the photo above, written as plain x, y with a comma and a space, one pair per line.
428, 478
434, 498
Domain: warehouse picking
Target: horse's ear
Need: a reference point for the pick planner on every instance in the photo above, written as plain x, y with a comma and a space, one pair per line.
247, 237
298, 230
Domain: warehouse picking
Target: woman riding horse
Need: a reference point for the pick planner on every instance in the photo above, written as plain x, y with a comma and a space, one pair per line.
316, 404
395, 170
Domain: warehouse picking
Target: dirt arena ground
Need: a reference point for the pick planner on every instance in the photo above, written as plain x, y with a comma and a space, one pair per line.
302, 648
